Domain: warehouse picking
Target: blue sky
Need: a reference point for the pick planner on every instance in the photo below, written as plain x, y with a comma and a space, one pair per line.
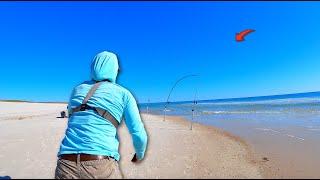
46, 48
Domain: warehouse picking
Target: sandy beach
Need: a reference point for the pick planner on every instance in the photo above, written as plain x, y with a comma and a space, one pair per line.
30, 135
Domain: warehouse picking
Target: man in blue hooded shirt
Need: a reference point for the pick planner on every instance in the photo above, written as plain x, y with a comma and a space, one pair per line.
90, 146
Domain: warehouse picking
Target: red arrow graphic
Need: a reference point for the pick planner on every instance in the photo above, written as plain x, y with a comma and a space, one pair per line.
240, 36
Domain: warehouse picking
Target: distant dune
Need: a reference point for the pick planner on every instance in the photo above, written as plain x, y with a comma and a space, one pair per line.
13, 100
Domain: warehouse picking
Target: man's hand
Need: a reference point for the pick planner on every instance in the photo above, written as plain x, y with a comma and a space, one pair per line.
135, 159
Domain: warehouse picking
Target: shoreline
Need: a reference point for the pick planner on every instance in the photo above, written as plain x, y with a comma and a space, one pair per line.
213, 134
251, 154
276, 157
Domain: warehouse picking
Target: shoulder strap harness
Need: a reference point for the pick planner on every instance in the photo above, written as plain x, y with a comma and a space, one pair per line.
84, 106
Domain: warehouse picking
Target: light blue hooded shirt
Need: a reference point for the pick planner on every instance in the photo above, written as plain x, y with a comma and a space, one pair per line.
88, 132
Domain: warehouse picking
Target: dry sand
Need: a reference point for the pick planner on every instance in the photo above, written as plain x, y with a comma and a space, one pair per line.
30, 135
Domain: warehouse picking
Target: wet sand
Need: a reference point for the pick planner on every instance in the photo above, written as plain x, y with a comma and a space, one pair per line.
287, 146
287, 157
30, 135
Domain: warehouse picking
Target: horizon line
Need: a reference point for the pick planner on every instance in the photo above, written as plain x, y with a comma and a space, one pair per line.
219, 99
234, 98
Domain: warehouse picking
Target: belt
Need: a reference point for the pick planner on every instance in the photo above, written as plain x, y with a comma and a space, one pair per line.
83, 157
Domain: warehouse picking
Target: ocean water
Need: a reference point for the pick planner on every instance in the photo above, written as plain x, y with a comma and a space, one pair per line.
296, 105
284, 128
239, 117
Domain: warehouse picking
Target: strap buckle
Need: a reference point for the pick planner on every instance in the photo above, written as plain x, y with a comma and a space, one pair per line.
83, 107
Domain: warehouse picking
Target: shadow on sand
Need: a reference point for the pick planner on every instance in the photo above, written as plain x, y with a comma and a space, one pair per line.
61, 117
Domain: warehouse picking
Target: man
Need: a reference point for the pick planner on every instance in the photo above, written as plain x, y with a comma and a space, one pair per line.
90, 146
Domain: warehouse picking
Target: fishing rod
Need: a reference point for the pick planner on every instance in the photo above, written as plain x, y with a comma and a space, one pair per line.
175, 84
193, 108
148, 108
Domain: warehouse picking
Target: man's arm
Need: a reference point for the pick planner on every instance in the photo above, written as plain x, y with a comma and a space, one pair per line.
135, 126
69, 108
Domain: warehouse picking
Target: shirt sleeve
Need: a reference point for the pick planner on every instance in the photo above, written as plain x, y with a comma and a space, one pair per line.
135, 126
69, 108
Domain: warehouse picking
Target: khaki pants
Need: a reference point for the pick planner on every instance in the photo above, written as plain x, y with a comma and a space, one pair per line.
95, 169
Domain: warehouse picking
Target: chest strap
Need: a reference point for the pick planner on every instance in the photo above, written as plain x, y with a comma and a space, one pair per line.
84, 106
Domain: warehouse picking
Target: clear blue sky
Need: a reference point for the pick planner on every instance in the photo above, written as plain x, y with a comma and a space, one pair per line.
46, 47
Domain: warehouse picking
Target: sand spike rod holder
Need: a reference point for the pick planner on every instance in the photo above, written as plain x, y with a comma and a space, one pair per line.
175, 84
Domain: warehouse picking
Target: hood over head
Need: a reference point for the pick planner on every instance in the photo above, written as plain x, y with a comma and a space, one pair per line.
105, 67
